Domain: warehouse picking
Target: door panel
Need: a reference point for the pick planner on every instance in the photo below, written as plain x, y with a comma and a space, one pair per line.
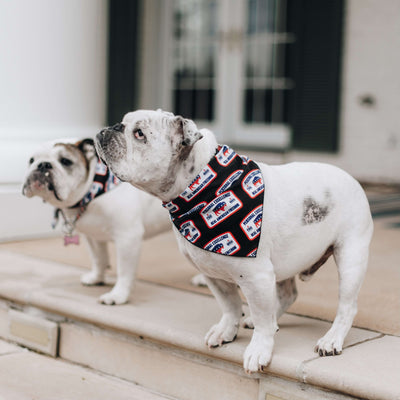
228, 68
194, 58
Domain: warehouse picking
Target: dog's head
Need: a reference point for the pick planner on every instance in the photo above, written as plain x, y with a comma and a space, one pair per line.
147, 148
60, 172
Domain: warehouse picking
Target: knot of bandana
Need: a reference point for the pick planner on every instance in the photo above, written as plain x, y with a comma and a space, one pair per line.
221, 210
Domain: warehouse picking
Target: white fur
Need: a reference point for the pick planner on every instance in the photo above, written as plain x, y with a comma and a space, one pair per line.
290, 241
124, 215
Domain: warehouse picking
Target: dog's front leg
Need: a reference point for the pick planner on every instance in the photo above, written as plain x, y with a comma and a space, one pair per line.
128, 252
100, 261
260, 292
228, 298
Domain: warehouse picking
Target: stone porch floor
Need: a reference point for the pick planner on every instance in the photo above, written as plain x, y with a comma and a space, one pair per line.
157, 339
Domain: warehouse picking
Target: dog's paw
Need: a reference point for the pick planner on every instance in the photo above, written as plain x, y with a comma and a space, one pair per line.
223, 332
258, 353
329, 346
114, 297
198, 280
92, 278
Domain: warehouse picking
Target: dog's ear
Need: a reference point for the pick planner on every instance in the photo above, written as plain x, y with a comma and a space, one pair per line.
188, 131
86, 146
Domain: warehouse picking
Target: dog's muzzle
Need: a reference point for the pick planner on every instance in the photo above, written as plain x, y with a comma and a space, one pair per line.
106, 134
103, 137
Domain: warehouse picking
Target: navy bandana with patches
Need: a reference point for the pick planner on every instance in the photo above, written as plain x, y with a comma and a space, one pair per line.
104, 180
221, 210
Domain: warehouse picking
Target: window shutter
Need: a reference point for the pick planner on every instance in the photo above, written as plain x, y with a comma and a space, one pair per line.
314, 64
122, 58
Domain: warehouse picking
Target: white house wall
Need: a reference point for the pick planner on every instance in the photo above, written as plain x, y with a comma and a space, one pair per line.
369, 141
371, 134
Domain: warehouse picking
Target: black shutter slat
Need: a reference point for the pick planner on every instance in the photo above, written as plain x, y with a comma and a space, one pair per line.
122, 58
314, 64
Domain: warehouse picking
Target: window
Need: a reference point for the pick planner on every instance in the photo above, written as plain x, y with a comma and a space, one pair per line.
229, 61
259, 73
194, 56
266, 41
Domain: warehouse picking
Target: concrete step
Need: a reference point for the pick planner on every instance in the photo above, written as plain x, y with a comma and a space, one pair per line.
157, 341
28, 375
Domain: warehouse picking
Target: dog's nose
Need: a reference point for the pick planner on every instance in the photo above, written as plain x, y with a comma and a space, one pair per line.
118, 127
102, 132
104, 137
44, 166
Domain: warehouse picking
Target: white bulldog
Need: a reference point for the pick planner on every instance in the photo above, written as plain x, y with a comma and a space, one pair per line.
63, 173
309, 212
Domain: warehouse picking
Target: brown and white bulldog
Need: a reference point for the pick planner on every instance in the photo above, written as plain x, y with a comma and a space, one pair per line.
68, 175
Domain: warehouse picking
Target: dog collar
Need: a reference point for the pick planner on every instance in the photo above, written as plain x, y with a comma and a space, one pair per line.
104, 180
221, 210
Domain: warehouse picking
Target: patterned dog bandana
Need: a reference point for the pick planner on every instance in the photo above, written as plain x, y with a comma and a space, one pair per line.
221, 210
104, 180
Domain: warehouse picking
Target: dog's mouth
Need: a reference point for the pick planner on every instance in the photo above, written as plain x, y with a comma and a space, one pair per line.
104, 145
40, 184
98, 144
99, 150
52, 188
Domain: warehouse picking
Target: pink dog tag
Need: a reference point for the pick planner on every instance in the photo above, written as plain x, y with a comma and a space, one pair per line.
71, 240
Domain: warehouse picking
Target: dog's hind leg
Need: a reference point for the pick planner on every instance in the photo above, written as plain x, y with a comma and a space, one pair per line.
228, 298
100, 261
351, 258
286, 292
128, 252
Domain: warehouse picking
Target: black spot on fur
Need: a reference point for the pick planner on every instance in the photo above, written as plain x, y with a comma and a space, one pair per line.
313, 212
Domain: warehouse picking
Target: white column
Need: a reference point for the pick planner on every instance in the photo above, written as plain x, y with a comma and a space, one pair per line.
52, 75
53, 81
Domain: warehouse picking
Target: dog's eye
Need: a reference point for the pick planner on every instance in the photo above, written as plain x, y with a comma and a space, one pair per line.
66, 162
31, 161
139, 134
